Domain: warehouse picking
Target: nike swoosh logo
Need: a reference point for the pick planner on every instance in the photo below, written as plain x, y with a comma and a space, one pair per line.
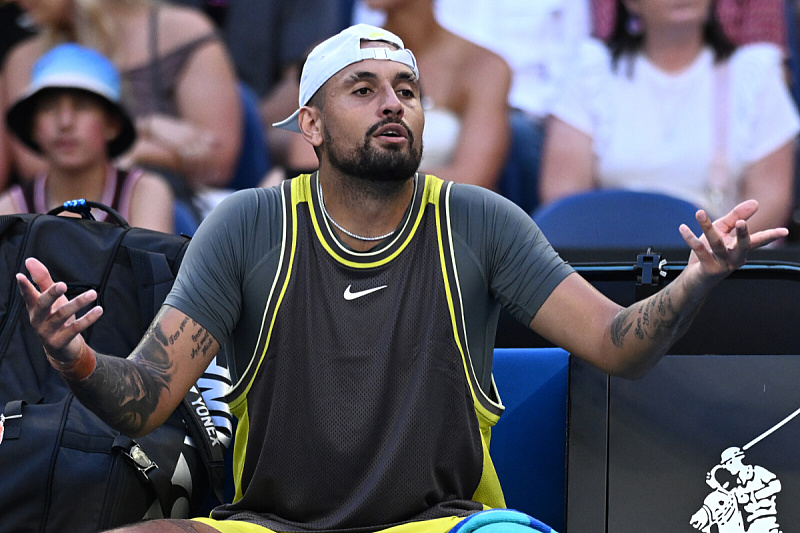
349, 295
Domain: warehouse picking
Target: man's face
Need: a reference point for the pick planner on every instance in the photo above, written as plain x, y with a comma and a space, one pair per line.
372, 120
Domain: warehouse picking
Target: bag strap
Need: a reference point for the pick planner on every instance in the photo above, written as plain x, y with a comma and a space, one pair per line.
204, 434
84, 207
8, 321
12, 410
147, 470
160, 479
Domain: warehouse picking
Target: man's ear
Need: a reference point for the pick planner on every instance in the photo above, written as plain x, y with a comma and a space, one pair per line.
310, 122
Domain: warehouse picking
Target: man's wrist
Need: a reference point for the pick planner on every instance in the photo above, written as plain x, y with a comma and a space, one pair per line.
77, 369
696, 287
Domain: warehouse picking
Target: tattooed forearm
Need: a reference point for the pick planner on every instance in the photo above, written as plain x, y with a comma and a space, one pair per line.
620, 327
656, 319
126, 393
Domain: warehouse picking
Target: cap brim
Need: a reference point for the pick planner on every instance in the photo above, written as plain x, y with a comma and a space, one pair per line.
290, 124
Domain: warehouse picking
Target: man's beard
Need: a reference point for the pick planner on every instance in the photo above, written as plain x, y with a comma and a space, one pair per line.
389, 165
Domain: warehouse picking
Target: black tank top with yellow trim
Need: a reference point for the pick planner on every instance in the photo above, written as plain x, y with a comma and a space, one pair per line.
363, 410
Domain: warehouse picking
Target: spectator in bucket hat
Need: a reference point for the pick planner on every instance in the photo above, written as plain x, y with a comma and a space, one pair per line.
71, 115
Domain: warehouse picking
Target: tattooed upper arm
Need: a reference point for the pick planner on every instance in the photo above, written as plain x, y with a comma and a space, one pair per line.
162, 338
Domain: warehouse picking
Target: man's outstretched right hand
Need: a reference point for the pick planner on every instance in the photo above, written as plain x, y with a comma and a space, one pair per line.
53, 316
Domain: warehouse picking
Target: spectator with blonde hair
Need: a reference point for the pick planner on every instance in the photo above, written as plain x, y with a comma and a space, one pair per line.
178, 83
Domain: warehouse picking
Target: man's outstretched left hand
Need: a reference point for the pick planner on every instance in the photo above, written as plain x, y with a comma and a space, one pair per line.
724, 245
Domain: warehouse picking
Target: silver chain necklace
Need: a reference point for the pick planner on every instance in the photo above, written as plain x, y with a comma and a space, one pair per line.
347, 232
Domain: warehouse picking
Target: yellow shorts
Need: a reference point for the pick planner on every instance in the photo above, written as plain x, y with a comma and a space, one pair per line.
437, 525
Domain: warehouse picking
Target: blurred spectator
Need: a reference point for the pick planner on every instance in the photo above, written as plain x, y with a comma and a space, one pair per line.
15, 26
71, 116
670, 105
178, 83
537, 39
465, 90
268, 40
268, 36
744, 21
7, 176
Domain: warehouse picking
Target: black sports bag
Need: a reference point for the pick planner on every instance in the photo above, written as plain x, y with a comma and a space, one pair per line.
61, 467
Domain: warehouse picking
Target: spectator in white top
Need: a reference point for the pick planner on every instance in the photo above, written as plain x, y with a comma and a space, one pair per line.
669, 104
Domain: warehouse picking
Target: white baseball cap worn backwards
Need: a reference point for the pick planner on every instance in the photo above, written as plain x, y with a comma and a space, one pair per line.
339, 51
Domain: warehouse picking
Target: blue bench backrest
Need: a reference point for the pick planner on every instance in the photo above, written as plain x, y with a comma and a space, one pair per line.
528, 444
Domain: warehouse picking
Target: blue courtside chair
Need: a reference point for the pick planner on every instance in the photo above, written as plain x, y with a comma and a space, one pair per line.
529, 443
616, 218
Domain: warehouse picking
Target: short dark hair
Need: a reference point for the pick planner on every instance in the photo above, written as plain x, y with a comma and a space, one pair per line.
622, 42
317, 100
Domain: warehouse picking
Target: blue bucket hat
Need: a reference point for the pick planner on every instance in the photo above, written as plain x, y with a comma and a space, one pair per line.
72, 66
